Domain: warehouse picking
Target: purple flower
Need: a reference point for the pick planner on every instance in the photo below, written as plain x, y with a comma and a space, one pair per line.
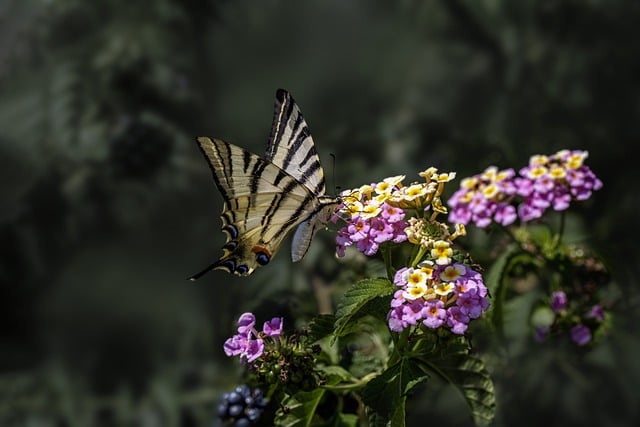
273, 328
248, 349
381, 230
597, 312
558, 301
358, 229
394, 318
580, 334
457, 320
434, 314
470, 304
254, 349
246, 322
391, 213
505, 214
246, 344
367, 246
235, 345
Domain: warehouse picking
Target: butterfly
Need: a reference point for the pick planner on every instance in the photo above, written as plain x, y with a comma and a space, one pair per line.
266, 197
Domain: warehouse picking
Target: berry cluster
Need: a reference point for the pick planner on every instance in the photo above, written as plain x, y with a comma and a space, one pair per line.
242, 406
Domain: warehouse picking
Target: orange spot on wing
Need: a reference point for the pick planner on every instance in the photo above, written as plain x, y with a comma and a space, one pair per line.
257, 249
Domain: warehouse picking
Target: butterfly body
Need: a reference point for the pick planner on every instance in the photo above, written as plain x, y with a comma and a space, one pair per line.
265, 198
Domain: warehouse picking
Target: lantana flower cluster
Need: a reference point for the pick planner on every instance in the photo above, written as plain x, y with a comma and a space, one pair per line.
437, 296
371, 216
434, 289
376, 213
501, 196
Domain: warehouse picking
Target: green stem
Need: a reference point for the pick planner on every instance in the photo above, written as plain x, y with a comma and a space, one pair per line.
386, 256
355, 385
416, 259
558, 238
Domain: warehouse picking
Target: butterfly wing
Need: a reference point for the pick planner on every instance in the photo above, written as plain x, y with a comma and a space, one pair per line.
262, 203
291, 148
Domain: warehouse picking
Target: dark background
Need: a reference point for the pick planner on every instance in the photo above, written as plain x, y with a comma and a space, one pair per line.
107, 205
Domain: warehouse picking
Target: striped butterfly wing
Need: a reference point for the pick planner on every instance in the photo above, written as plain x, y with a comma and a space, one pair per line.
291, 148
262, 203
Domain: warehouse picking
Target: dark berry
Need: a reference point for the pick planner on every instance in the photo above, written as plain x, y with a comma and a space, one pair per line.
235, 410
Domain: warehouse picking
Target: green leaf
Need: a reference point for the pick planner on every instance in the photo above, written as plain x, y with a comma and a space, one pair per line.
301, 410
320, 327
344, 420
386, 394
497, 281
367, 297
469, 375
335, 374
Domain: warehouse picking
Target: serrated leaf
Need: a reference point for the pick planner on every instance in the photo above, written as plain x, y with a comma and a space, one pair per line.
320, 327
386, 394
301, 410
367, 297
469, 375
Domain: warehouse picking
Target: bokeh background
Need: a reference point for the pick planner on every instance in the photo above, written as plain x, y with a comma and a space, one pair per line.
107, 205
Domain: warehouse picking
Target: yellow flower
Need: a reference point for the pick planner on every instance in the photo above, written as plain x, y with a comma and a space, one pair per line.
414, 191
366, 191
490, 191
383, 188
501, 176
575, 160
537, 172
370, 211
442, 252
415, 277
353, 208
444, 288
394, 181
557, 172
470, 183
446, 177
467, 197
538, 160
415, 292
451, 273
428, 174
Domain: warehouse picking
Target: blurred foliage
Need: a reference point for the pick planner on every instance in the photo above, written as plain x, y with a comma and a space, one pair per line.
107, 206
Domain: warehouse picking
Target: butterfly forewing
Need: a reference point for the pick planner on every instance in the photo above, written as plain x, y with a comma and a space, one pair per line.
291, 147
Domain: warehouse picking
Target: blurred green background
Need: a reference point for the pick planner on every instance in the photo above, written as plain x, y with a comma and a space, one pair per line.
107, 205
